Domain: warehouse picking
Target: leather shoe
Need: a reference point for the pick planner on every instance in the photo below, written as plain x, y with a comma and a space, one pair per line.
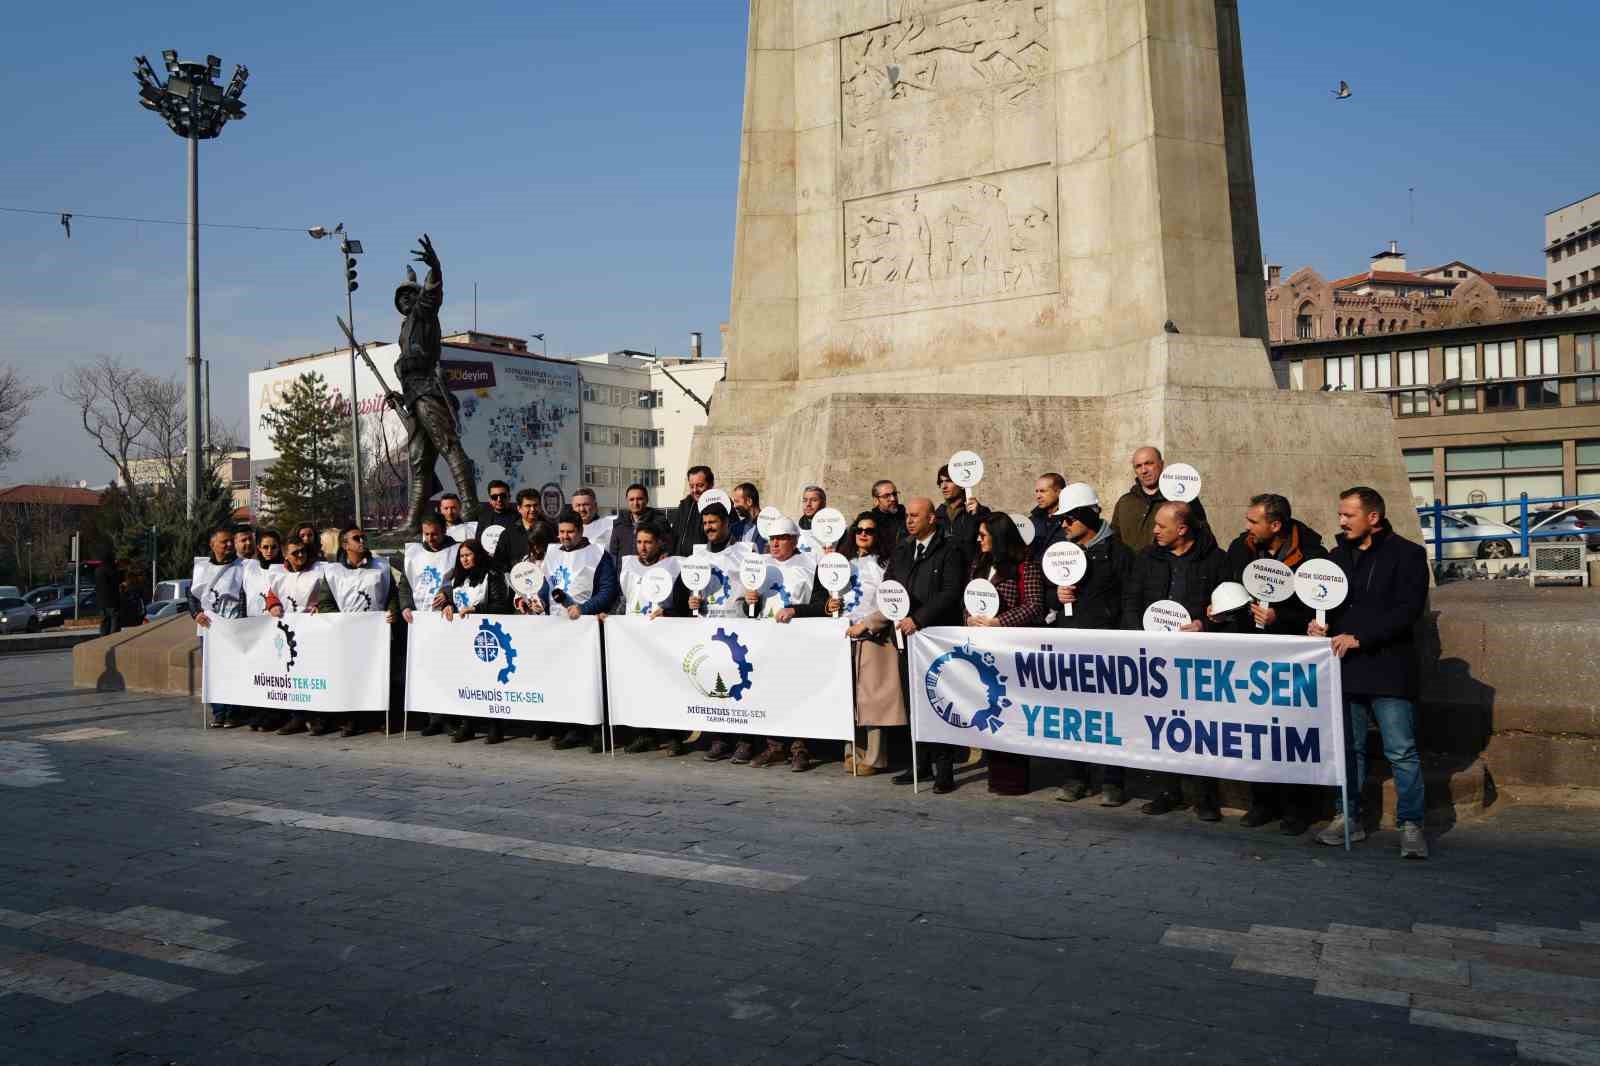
905, 777
742, 753
720, 749
1207, 812
1256, 817
944, 777
1112, 796
1293, 827
1162, 804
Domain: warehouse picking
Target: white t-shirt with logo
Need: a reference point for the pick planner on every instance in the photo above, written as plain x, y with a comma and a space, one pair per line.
634, 595
573, 572
427, 571
362, 588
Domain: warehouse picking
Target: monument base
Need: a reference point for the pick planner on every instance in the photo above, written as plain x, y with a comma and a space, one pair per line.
1243, 440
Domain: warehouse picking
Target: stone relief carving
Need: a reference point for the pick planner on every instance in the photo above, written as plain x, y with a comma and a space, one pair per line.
979, 239
942, 95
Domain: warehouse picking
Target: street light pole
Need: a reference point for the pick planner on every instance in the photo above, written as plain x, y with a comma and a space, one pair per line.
195, 108
348, 250
191, 465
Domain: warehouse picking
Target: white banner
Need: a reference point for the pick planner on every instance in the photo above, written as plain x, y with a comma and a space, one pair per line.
308, 663
531, 668
1248, 708
731, 675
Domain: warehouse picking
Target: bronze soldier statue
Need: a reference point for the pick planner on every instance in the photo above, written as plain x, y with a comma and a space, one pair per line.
427, 404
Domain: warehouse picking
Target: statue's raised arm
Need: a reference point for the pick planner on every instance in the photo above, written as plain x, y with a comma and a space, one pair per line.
433, 285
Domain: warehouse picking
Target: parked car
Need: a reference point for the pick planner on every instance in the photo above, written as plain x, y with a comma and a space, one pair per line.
1502, 542
59, 610
44, 594
160, 609
16, 616
1577, 523
176, 589
10, 592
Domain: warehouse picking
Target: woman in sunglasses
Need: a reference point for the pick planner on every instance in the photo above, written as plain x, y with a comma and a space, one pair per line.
879, 700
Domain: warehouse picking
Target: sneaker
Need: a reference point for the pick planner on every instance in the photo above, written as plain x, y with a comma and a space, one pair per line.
1413, 845
719, 751
1256, 817
772, 755
1073, 791
1333, 836
677, 747
799, 758
1164, 803
1112, 796
639, 745
742, 754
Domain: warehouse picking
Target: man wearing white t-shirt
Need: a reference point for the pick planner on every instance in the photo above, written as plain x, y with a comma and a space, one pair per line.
649, 579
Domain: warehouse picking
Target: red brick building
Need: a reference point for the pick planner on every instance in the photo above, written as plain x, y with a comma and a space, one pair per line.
1389, 298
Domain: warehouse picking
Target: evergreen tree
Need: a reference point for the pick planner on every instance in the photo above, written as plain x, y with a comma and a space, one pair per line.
310, 481
720, 689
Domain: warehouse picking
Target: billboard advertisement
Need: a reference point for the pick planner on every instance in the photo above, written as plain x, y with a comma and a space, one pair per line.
518, 419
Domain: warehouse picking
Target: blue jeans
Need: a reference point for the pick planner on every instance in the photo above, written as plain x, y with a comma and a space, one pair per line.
1397, 727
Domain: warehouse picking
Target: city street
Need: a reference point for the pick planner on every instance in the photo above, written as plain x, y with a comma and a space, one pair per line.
175, 895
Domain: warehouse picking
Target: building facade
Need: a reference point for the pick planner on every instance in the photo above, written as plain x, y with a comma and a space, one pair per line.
1390, 298
1482, 412
1572, 255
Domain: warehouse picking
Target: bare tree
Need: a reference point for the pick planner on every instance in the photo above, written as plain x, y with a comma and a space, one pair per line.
110, 402
388, 469
15, 395
37, 535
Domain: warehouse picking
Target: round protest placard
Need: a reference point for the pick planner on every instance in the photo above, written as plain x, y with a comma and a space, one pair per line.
833, 570
656, 586
526, 577
1321, 585
828, 525
1268, 580
893, 600
1165, 616
695, 573
711, 496
1024, 526
765, 520
490, 537
1065, 563
1180, 483
982, 599
966, 469
753, 571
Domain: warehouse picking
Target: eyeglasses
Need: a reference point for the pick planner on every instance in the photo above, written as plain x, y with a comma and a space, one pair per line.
866, 531
887, 496
358, 536
499, 495
296, 555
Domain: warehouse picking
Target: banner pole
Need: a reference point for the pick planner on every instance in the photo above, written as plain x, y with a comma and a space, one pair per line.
911, 716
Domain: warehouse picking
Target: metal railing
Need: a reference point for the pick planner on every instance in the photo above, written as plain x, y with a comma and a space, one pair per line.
1432, 519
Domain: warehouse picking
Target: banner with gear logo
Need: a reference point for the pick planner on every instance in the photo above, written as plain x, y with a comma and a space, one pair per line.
307, 663
532, 668
731, 675
1246, 707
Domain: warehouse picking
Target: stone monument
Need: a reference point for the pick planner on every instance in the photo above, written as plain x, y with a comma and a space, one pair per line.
1023, 227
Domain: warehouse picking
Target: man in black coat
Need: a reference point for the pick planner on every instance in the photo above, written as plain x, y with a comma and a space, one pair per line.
1373, 634
1272, 532
512, 547
1096, 602
1185, 565
1046, 515
891, 516
934, 572
623, 530
686, 528
958, 517
108, 591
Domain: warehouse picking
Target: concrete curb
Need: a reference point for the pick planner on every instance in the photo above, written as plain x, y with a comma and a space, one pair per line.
22, 643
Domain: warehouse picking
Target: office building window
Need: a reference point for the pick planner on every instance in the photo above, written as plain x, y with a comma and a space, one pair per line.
1339, 372
1377, 371
649, 478
600, 477
1539, 357
1305, 326
1586, 354
1461, 364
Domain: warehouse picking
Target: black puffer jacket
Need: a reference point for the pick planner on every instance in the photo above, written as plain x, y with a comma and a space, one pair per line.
1099, 602
1189, 579
1388, 595
687, 530
1301, 544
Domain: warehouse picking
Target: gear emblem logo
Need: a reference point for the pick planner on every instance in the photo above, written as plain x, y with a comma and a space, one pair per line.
491, 644
284, 643
967, 690
720, 668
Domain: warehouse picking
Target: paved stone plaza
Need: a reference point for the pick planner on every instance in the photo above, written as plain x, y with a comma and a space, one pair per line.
171, 895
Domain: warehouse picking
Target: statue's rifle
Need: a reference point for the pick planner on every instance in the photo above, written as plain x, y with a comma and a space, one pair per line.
407, 417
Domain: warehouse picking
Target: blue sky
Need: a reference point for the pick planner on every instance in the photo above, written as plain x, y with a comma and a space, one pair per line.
580, 161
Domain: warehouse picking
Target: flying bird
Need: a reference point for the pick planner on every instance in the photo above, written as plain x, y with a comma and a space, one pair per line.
66, 223
1342, 92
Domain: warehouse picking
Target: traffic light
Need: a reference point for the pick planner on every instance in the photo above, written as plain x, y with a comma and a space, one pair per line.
351, 284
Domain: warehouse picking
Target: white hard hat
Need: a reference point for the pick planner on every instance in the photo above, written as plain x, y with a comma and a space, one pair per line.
1228, 596
783, 527
1076, 495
